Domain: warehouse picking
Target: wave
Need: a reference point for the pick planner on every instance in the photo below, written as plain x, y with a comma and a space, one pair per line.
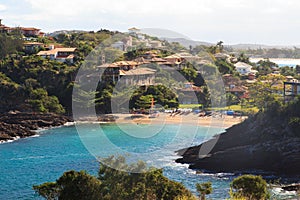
9, 141
18, 138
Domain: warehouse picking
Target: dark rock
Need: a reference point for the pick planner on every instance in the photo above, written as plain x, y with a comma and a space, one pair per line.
21, 125
257, 144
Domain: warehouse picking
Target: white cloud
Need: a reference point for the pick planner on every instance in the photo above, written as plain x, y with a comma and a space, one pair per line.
3, 7
212, 20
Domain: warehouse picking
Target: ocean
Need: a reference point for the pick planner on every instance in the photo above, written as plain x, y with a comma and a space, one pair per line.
35, 160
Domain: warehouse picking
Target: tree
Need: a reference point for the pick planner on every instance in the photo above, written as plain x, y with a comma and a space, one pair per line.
204, 189
116, 180
71, 185
243, 58
266, 90
9, 44
220, 46
249, 187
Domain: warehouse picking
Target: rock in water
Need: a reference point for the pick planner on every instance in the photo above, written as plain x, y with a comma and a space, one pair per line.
21, 125
261, 143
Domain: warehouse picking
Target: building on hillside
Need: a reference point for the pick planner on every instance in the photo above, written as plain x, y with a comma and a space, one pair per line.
59, 54
141, 76
189, 94
234, 86
112, 71
244, 68
291, 90
221, 56
123, 44
239, 91
30, 32
26, 31
175, 59
155, 44
134, 31
32, 47
3, 28
119, 45
128, 73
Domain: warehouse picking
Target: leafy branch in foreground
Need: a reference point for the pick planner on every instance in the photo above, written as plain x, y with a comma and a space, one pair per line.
115, 184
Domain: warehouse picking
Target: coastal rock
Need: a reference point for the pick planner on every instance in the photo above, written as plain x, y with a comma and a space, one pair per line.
14, 125
259, 144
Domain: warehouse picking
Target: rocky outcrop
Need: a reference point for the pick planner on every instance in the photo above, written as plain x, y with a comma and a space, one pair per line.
14, 125
261, 144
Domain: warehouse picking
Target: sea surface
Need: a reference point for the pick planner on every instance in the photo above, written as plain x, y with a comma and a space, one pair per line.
281, 62
35, 160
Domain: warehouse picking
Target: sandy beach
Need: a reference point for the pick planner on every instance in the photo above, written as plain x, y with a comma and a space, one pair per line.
192, 119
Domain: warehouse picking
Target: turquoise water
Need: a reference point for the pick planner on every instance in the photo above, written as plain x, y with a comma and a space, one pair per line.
35, 160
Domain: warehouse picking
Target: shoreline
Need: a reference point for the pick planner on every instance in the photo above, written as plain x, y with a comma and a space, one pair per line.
190, 119
23, 125
14, 126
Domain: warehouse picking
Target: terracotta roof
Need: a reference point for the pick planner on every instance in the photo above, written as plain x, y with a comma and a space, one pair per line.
141, 60
29, 29
137, 71
134, 29
54, 51
237, 89
33, 43
157, 60
242, 65
65, 49
173, 56
125, 63
46, 53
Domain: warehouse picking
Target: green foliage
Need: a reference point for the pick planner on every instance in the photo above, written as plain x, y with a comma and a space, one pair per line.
161, 94
49, 190
41, 102
189, 73
71, 185
224, 66
204, 189
249, 187
266, 91
243, 58
264, 67
115, 181
9, 45
33, 72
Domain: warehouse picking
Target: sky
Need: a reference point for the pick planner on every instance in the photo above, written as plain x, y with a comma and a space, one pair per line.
272, 22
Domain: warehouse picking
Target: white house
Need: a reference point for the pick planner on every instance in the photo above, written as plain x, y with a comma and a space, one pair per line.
244, 68
59, 54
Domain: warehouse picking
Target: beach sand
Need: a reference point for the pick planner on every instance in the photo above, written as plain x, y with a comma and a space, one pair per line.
192, 119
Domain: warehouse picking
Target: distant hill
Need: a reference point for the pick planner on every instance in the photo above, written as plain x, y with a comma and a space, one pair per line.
171, 36
55, 33
260, 46
186, 42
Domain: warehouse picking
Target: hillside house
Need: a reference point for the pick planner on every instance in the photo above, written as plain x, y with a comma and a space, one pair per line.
29, 32
155, 44
112, 71
59, 54
32, 47
128, 72
291, 90
141, 76
3, 28
244, 68
189, 94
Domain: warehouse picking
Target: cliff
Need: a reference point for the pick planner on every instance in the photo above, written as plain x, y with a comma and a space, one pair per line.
268, 143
